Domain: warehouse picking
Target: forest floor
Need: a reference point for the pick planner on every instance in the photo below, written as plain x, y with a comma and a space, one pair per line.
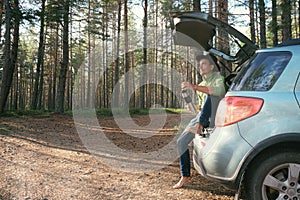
43, 157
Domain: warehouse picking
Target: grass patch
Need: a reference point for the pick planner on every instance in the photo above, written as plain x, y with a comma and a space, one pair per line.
5, 130
104, 112
139, 111
108, 112
21, 113
121, 112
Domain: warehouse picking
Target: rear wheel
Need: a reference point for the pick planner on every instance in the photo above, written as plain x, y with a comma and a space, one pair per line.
274, 177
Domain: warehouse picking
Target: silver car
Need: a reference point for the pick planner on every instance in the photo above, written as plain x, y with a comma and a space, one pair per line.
254, 148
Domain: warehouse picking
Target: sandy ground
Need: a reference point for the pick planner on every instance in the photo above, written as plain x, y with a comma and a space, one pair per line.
44, 158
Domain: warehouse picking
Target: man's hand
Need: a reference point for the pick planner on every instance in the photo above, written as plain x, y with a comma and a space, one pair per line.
187, 86
197, 129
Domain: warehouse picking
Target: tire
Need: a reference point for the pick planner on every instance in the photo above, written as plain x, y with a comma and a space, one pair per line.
281, 170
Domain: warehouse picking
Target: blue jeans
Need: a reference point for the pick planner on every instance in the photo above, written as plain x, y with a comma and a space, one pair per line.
186, 137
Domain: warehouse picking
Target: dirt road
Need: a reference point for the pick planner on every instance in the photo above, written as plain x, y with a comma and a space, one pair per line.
44, 158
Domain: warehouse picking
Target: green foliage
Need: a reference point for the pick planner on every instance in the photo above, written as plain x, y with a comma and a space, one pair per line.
104, 112
175, 110
146, 111
5, 131
107, 112
21, 113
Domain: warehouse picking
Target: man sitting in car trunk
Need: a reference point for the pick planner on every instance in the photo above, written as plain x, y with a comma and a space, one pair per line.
211, 87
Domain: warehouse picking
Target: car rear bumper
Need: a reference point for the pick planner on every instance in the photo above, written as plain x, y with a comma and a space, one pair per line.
220, 156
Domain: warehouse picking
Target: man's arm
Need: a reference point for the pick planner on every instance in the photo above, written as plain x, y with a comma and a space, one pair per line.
190, 86
217, 90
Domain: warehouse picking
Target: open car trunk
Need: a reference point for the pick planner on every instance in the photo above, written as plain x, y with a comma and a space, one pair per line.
212, 35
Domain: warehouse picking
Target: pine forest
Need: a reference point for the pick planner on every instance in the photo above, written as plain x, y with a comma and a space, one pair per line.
59, 55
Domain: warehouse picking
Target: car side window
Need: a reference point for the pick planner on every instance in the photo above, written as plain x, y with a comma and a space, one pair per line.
261, 73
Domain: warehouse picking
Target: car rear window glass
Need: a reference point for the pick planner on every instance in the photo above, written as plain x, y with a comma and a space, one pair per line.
261, 72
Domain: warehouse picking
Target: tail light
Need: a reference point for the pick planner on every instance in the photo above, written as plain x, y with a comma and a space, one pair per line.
234, 109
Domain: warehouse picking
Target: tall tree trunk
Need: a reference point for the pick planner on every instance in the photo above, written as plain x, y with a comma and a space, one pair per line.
222, 10
163, 63
252, 20
54, 89
144, 71
10, 56
115, 103
299, 17
50, 87
286, 20
15, 89
40, 61
41, 88
262, 23
256, 22
1, 14
274, 23
169, 56
93, 62
295, 19
21, 94
223, 38
126, 86
132, 80
64, 65
24, 88
156, 54
210, 7
88, 96
106, 83
16, 36
70, 70
7, 68
196, 5
104, 89
41, 97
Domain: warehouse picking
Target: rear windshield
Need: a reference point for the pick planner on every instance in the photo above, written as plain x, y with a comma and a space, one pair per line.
261, 72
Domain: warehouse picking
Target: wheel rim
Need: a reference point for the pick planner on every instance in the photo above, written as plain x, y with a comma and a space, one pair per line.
282, 182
